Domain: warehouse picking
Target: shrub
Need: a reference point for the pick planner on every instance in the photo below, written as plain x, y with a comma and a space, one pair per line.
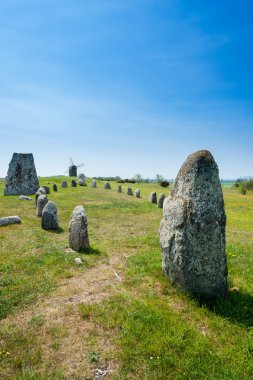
164, 183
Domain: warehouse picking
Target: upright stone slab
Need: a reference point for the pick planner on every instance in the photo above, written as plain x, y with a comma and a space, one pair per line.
107, 185
49, 220
64, 184
129, 190
119, 189
21, 177
137, 193
41, 203
81, 176
78, 229
73, 183
192, 231
94, 183
160, 200
55, 187
47, 189
40, 191
153, 198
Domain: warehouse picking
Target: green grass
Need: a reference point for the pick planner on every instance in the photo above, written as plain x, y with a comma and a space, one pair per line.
152, 329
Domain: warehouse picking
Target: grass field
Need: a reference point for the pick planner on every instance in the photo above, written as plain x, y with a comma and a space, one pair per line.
117, 316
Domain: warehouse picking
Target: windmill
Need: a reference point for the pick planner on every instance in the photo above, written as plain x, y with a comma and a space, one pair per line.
73, 168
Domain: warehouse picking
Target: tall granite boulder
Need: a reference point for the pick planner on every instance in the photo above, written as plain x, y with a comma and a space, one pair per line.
153, 198
192, 231
161, 200
49, 220
41, 203
21, 177
78, 229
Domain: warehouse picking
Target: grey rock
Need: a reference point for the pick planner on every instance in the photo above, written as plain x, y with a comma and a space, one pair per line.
73, 183
41, 203
78, 229
21, 177
47, 189
107, 185
64, 184
153, 198
42, 190
73, 171
119, 189
55, 187
81, 182
160, 200
137, 193
5, 221
24, 198
81, 176
129, 190
94, 183
49, 220
192, 231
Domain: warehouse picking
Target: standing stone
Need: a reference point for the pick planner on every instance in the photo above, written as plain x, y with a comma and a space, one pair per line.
39, 192
129, 190
47, 189
64, 184
21, 177
137, 193
55, 187
152, 197
73, 183
78, 229
49, 219
192, 231
73, 171
41, 203
107, 185
6, 220
161, 200
81, 176
94, 183
119, 189
81, 179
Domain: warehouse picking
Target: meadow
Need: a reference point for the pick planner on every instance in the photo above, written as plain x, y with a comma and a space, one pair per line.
117, 316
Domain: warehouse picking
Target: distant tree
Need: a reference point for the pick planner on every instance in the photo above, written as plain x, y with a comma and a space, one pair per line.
159, 178
138, 178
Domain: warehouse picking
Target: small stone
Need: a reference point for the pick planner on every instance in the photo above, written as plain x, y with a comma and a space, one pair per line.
81, 176
41, 203
47, 189
152, 197
94, 183
73, 183
24, 198
129, 190
81, 182
161, 200
49, 219
137, 193
78, 229
119, 189
40, 191
78, 261
55, 187
64, 184
107, 185
5, 221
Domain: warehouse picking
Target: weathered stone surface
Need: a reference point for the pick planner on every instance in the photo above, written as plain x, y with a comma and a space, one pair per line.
25, 198
73, 171
47, 189
78, 229
160, 200
21, 177
41, 203
137, 193
153, 198
49, 220
55, 187
5, 221
40, 191
81, 176
64, 184
93, 183
81, 182
107, 185
192, 231
119, 189
129, 190
73, 183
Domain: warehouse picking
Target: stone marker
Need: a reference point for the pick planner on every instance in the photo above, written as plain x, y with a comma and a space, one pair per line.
129, 190
107, 185
64, 184
161, 200
81, 182
94, 183
192, 231
81, 176
78, 229
119, 189
49, 220
24, 198
55, 187
40, 191
41, 203
47, 189
5, 221
73, 183
152, 197
137, 193
21, 177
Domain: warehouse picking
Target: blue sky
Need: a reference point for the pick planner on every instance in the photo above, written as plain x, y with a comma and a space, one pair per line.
126, 86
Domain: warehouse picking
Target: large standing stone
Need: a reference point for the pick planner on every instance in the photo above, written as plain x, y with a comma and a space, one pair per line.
192, 231
129, 190
5, 221
78, 229
107, 185
160, 200
153, 198
94, 183
41, 203
64, 184
21, 177
137, 193
49, 219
